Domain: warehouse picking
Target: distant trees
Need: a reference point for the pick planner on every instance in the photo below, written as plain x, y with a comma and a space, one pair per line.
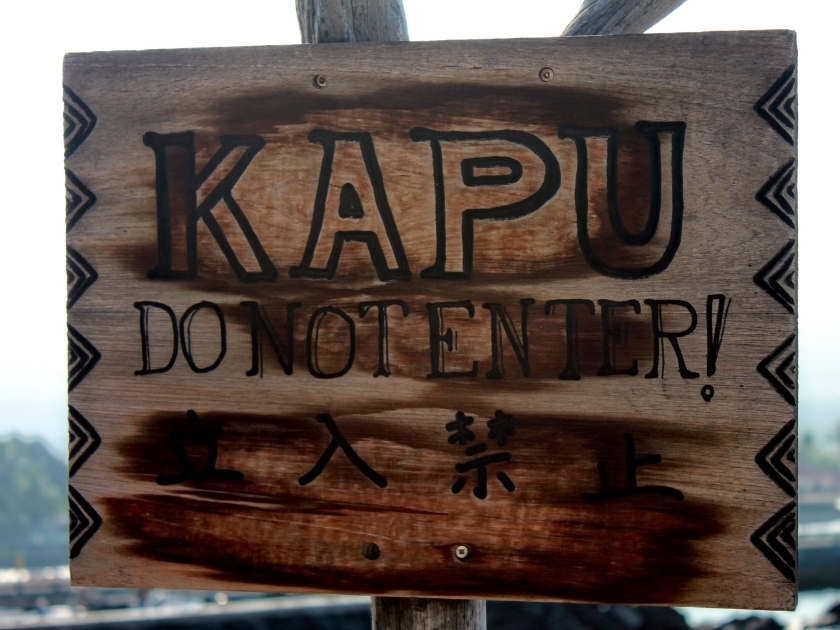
33, 505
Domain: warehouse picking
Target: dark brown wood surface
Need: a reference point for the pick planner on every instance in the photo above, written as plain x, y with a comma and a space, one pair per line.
669, 483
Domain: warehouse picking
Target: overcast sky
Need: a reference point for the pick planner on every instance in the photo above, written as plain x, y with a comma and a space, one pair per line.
36, 35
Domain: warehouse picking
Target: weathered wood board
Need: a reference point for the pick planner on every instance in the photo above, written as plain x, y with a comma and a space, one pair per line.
510, 319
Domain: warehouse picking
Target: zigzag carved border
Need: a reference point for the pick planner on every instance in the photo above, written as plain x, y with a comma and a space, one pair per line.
80, 276
777, 277
84, 521
771, 459
777, 105
79, 122
83, 356
84, 440
776, 537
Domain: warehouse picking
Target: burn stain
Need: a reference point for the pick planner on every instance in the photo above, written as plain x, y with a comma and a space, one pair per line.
395, 110
274, 534
545, 262
396, 107
232, 529
400, 104
235, 500
654, 564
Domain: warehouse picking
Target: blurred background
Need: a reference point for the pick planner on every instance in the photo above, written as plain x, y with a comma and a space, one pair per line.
34, 579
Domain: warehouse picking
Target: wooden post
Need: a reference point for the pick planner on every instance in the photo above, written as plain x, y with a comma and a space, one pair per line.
334, 21
406, 613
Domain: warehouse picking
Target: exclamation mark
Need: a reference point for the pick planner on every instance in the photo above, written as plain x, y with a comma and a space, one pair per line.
717, 309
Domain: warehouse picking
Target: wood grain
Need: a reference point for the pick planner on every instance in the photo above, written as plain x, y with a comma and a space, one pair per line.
333, 21
600, 385
406, 613
619, 17
384, 21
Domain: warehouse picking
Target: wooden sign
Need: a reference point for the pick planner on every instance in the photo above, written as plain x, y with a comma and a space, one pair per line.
510, 319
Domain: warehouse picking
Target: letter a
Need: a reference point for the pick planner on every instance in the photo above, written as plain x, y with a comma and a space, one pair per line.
351, 212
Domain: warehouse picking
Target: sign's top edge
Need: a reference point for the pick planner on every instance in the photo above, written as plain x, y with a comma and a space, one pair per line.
121, 56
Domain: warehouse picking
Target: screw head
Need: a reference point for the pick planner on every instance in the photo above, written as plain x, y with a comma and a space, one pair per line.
371, 551
546, 74
462, 552
320, 81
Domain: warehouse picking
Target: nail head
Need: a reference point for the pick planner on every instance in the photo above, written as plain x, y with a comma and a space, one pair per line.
320, 80
546, 74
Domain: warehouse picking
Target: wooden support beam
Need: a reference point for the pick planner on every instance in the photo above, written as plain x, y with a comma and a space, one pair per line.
618, 17
331, 21
404, 613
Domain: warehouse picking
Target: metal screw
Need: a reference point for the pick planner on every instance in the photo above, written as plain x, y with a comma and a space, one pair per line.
546, 74
462, 552
371, 551
320, 81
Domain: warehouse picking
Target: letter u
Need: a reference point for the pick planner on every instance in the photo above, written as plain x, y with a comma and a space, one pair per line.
652, 131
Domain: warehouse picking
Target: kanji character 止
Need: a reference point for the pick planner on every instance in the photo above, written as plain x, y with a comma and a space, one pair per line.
198, 435
631, 463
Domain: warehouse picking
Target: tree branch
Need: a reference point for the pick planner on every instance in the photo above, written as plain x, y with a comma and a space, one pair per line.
615, 17
326, 21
